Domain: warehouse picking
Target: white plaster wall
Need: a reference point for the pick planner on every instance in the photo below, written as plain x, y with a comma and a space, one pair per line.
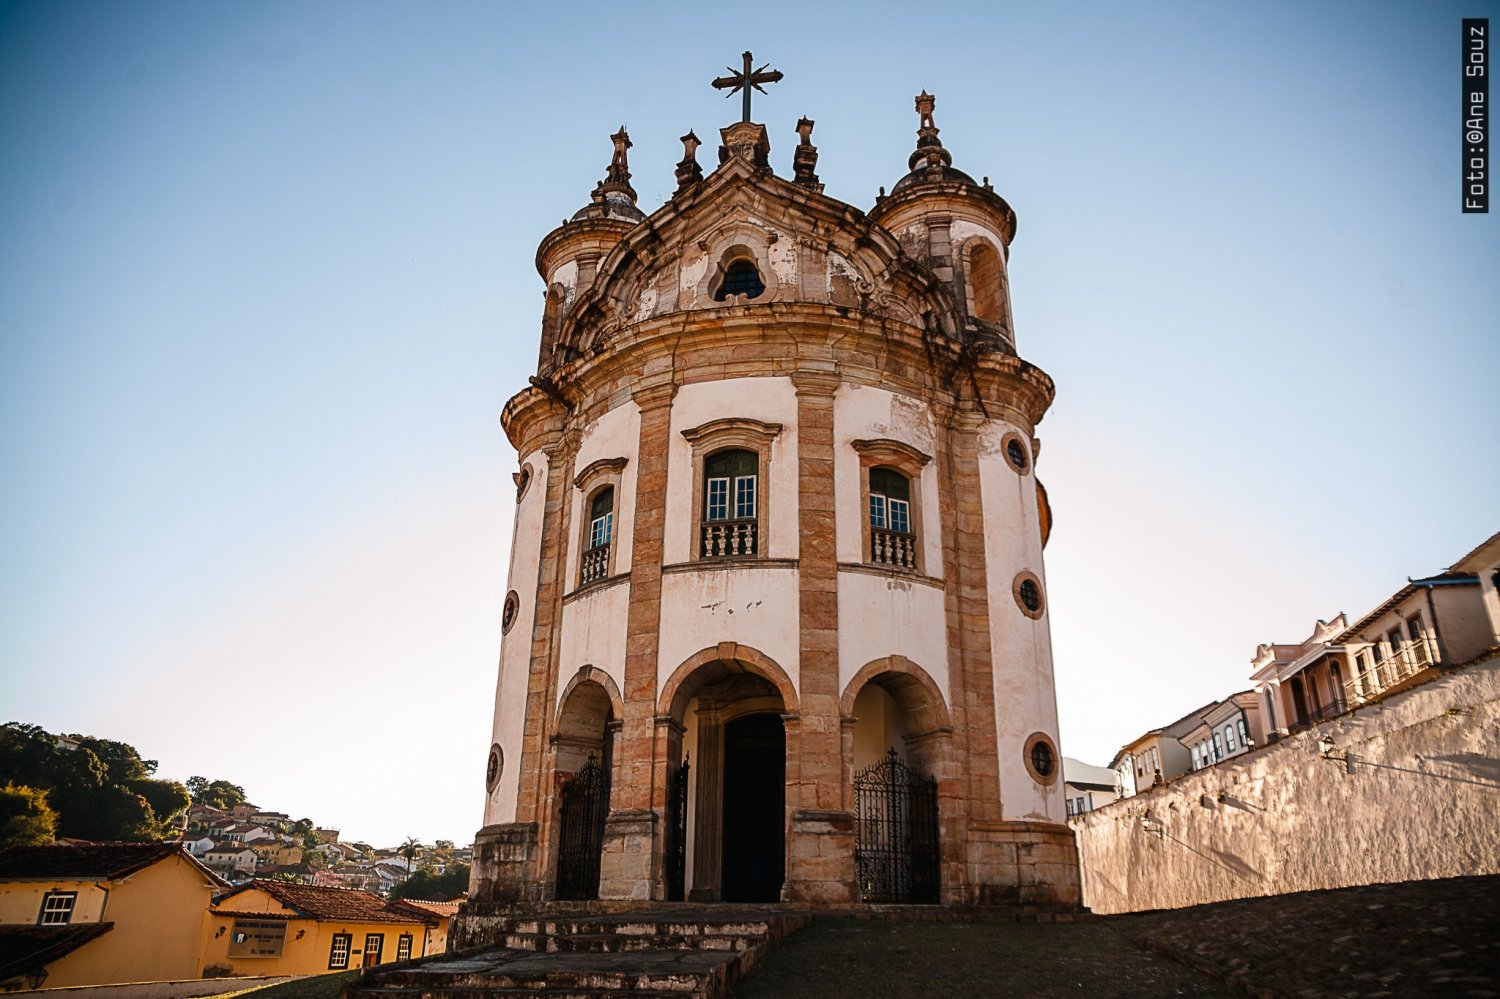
770, 400
515, 647
593, 634
616, 434
1025, 697
865, 413
1419, 803
703, 607
883, 616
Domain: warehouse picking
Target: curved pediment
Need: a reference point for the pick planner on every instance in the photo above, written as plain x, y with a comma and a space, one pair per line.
744, 237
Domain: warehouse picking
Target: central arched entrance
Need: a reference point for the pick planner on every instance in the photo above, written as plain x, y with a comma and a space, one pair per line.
731, 706
754, 858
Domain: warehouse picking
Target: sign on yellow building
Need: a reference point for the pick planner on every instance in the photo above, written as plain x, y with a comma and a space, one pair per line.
284, 928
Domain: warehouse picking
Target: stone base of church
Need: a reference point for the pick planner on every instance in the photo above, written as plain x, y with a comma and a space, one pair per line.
821, 859
504, 863
625, 865
1022, 864
1017, 866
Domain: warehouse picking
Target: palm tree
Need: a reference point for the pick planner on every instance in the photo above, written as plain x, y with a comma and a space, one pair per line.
409, 851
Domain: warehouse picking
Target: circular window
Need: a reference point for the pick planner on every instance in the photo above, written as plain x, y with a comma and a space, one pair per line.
1016, 452
508, 614
1040, 755
1028, 593
493, 768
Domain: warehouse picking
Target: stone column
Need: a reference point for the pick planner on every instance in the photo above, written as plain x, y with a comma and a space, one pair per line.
631, 864
820, 853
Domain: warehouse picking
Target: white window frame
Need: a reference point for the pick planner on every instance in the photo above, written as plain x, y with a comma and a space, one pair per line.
57, 904
338, 958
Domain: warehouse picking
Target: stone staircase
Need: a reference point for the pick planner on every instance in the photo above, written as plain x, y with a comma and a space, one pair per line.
630, 955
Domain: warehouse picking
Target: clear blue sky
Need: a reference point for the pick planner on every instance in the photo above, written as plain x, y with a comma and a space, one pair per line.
266, 281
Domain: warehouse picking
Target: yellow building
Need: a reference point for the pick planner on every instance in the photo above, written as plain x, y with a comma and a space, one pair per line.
101, 914
282, 928
437, 937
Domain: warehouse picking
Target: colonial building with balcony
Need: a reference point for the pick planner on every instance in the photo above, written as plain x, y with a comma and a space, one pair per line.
1428, 625
778, 624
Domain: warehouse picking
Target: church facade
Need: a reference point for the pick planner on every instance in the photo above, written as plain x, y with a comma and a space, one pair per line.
777, 625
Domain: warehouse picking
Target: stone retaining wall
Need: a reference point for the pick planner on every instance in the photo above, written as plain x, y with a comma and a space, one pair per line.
1410, 791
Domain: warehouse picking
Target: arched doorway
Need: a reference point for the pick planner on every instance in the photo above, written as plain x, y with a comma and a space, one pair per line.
729, 705
897, 750
753, 852
584, 755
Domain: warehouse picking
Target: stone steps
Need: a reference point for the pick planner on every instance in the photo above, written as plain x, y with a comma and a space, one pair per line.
591, 956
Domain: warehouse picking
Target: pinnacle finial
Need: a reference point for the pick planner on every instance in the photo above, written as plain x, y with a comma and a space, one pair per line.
929, 146
617, 177
688, 171
805, 158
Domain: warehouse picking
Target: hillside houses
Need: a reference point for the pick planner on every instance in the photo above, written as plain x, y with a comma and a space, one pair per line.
247, 841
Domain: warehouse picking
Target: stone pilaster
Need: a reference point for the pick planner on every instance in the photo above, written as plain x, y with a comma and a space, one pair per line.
969, 583
631, 865
821, 838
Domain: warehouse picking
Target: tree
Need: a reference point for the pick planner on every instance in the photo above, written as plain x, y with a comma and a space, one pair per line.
434, 887
409, 850
25, 817
98, 788
216, 793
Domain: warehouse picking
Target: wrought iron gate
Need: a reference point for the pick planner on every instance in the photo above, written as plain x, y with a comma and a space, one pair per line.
585, 806
676, 845
896, 833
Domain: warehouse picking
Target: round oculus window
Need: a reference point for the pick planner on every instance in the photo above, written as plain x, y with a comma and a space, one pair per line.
508, 614
1027, 590
493, 768
1040, 755
1016, 452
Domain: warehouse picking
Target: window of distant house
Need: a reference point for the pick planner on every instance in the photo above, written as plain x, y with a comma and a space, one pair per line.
1229, 737
740, 278
57, 908
374, 942
1197, 758
403, 947
338, 954
1218, 747
1244, 735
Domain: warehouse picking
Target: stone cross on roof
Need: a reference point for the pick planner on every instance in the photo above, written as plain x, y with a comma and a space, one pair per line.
744, 80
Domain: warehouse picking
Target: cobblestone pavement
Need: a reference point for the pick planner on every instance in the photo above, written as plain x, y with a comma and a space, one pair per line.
1417, 939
